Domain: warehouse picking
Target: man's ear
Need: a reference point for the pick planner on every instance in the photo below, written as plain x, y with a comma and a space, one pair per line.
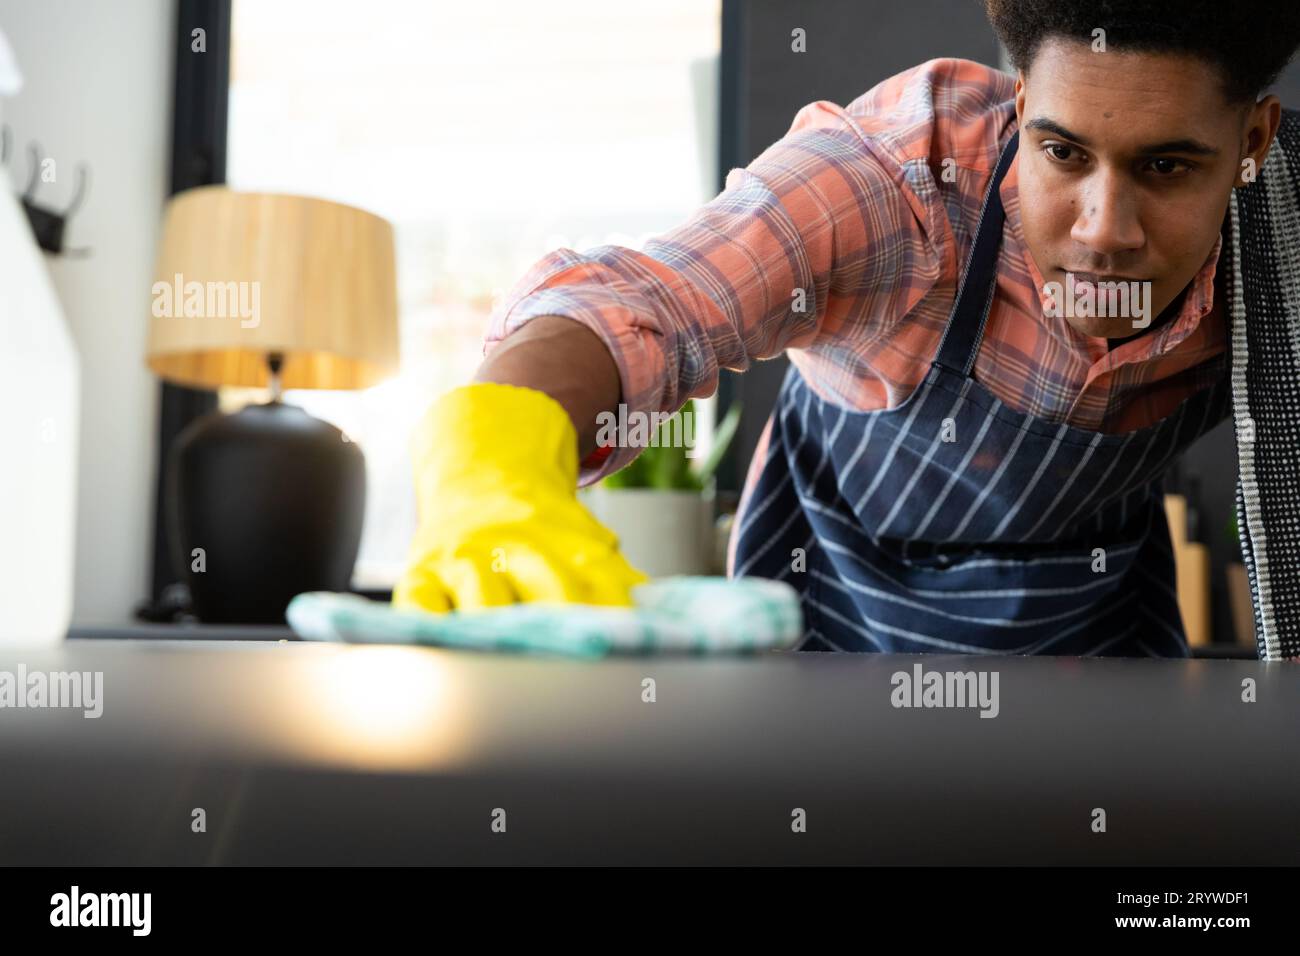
1262, 122
1020, 97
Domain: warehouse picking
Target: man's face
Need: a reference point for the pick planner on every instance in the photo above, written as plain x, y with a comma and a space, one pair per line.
1126, 162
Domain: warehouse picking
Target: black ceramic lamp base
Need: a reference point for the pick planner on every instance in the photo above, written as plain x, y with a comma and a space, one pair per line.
263, 505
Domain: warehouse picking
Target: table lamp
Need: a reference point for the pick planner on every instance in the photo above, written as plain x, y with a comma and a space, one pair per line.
256, 289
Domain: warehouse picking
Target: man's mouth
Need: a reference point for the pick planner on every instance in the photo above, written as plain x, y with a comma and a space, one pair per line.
1092, 295
1095, 278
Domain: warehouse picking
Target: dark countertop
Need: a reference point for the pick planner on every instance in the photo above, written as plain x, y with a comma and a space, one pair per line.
307, 753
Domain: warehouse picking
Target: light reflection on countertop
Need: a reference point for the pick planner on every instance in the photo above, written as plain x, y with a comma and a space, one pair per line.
364, 708
378, 708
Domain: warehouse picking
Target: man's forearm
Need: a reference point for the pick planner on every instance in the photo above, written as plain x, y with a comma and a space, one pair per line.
567, 361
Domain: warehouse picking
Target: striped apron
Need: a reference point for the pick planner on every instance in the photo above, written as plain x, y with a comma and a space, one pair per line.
956, 524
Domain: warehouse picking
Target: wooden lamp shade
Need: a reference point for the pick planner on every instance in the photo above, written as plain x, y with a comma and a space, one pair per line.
249, 285
242, 276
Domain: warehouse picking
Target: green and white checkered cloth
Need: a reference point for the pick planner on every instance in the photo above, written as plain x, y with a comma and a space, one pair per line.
682, 614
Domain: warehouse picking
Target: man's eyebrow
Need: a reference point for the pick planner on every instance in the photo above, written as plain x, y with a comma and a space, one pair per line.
1193, 147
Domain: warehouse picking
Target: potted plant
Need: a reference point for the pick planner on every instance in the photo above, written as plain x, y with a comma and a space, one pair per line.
661, 504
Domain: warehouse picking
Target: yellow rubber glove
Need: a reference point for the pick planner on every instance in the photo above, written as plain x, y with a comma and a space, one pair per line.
496, 478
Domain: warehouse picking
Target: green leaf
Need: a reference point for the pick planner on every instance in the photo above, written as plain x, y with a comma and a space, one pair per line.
722, 437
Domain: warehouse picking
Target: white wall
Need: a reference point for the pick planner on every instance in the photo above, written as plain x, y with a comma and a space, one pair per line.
98, 85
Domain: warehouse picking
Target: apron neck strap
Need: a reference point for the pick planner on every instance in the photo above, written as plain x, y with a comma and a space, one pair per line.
961, 338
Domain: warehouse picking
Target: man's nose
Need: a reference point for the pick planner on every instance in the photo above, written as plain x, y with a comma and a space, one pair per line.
1107, 222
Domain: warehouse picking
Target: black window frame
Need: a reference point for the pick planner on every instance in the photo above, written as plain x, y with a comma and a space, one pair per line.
200, 102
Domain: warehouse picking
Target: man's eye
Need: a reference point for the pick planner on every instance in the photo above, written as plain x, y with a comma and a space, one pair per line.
1168, 167
1060, 152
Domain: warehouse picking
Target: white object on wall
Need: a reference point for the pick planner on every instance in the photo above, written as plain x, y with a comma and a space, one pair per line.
39, 380
97, 89
11, 79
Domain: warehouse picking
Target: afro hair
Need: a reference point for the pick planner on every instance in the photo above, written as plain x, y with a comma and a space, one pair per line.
1250, 41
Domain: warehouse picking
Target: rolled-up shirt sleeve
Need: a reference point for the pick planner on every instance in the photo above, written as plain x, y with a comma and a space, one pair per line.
820, 214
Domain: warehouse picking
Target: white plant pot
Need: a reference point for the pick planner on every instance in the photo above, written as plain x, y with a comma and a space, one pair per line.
660, 532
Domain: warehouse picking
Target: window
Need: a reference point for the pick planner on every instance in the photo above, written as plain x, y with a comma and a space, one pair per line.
487, 134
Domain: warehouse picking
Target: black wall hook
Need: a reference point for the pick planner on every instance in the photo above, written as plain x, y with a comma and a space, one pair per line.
48, 224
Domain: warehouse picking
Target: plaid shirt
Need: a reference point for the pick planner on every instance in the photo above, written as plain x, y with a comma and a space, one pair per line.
851, 206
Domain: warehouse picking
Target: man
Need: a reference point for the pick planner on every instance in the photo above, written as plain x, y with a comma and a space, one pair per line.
967, 453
